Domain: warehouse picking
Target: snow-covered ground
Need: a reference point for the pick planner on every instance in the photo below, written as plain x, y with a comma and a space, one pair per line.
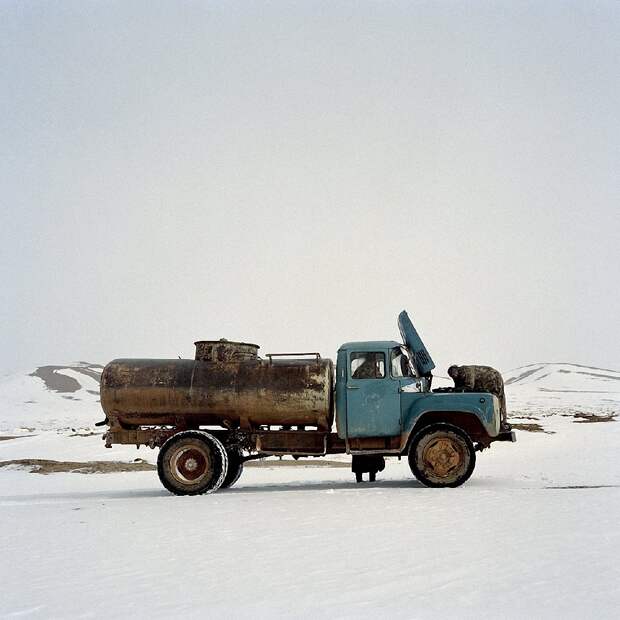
533, 534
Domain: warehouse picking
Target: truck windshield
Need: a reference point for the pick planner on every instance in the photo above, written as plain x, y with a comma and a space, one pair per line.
399, 363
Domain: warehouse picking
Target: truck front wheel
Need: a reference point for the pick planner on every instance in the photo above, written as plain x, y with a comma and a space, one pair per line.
442, 455
192, 463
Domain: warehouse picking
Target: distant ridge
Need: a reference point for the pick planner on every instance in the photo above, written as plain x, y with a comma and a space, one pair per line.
561, 364
58, 380
51, 397
564, 377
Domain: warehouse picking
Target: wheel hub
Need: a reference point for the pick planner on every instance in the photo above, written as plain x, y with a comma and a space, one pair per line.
442, 456
190, 464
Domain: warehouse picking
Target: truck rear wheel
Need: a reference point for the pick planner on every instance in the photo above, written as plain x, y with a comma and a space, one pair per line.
192, 463
235, 468
442, 455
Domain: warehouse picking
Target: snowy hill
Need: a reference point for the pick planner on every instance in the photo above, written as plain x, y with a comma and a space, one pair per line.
543, 391
564, 378
51, 398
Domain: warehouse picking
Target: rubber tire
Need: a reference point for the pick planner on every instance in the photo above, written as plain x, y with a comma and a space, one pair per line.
202, 441
455, 433
235, 468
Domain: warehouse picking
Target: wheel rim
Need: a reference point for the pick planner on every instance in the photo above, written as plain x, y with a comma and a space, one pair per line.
443, 458
190, 464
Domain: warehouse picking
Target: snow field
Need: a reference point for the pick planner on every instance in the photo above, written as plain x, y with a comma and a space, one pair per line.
302, 542
533, 534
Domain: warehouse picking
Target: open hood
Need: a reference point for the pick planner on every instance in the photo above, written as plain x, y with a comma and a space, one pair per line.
419, 355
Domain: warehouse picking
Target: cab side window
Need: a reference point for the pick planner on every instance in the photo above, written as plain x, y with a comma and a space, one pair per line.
367, 365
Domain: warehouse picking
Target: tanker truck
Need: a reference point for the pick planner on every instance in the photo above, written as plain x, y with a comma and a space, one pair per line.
210, 415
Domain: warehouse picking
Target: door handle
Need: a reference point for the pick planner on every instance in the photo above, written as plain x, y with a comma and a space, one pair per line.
353, 387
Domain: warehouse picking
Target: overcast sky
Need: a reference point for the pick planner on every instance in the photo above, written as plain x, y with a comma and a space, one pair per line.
295, 174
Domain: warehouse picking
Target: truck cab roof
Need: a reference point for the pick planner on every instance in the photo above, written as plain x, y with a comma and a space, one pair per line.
370, 345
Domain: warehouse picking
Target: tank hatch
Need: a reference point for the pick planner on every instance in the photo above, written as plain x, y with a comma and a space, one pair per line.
225, 351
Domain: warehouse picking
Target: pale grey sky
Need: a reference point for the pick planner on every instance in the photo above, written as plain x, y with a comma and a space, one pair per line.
295, 174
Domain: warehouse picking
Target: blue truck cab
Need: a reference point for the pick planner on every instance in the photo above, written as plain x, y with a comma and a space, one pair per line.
385, 405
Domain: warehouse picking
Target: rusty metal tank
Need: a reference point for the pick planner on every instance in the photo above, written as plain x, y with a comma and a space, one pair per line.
226, 385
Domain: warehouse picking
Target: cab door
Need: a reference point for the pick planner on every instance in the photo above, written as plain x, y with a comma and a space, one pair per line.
373, 396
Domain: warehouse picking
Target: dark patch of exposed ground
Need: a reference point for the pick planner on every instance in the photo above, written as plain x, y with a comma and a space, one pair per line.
58, 382
46, 466
587, 486
54, 381
530, 427
578, 418
586, 418
523, 375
